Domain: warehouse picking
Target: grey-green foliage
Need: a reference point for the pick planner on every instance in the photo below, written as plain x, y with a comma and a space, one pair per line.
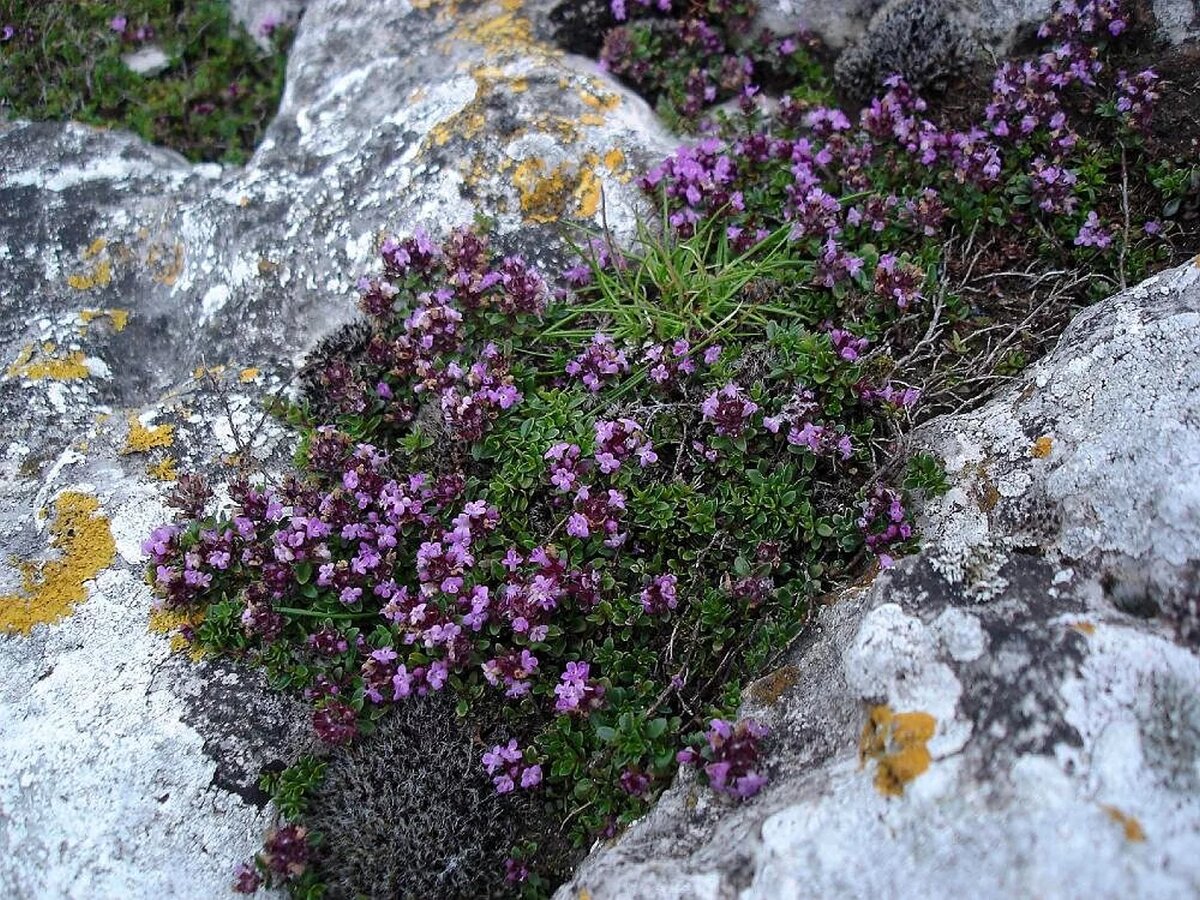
925, 41
409, 812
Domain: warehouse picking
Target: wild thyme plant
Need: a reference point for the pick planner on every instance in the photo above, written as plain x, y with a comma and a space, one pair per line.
486, 509
591, 512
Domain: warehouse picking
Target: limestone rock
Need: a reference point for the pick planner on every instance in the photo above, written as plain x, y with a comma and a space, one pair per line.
993, 717
147, 61
837, 24
260, 18
148, 308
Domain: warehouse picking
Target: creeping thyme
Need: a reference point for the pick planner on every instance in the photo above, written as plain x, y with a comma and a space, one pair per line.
584, 511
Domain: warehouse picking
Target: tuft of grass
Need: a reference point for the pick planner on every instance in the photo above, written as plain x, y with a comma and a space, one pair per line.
212, 102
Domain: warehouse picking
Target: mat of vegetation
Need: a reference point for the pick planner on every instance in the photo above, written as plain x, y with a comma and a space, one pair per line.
210, 95
554, 524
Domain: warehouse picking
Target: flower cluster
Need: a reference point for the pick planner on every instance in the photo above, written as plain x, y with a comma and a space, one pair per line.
729, 410
599, 361
897, 281
1093, 234
1137, 98
659, 596
598, 512
286, 852
506, 764
577, 692
797, 416
567, 466
668, 364
884, 523
731, 757
120, 25
619, 439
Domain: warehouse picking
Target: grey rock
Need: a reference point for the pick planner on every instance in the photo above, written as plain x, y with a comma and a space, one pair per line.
1044, 740
261, 17
837, 24
141, 292
147, 61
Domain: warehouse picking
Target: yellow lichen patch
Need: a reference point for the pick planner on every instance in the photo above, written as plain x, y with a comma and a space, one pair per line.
770, 688
247, 375
614, 159
141, 439
171, 622
165, 263
51, 589
99, 275
1133, 828
1085, 628
544, 194
40, 364
118, 317
163, 470
585, 894
471, 120
602, 100
595, 120
95, 248
501, 33
897, 742
213, 371
590, 191
1041, 447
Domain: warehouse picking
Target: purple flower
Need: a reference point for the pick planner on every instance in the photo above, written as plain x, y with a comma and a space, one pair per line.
729, 409
506, 764
246, 879
898, 281
617, 440
599, 361
659, 595
733, 755
1093, 234
566, 466
576, 692
118, 23
335, 722
285, 851
884, 522
515, 871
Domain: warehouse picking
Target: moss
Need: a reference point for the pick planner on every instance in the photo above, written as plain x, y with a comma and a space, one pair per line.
394, 826
897, 743
51, 589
